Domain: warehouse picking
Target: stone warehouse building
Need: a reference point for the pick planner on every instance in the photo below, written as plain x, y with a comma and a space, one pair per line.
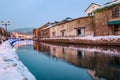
100, 21
71, 28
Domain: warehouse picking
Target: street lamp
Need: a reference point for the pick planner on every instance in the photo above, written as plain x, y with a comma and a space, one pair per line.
5, 24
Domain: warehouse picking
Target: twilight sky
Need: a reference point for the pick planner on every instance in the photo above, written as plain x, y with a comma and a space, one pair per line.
34, 13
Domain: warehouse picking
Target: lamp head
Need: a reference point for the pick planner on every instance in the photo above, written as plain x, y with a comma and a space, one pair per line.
8, 22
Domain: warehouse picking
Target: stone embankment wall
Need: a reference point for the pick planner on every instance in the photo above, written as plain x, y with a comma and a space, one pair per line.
106, 41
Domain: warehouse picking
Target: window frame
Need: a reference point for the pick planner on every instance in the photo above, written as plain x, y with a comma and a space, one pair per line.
63, 33
82, 31
115, 12
53, 34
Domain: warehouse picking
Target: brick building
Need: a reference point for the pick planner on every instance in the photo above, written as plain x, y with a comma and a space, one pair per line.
43, 32
107, 19
35, 33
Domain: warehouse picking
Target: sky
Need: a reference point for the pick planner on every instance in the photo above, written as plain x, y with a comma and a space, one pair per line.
34, 13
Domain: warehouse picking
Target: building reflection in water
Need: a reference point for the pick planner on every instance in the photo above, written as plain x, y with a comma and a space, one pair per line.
21, 43
101, 62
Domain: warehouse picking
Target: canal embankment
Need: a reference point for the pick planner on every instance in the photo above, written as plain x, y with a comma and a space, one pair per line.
100, 40
10, 65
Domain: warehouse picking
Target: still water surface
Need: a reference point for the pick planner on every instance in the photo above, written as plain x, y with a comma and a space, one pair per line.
70, 62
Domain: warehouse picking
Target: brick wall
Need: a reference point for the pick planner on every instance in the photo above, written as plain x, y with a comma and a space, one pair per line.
101, 18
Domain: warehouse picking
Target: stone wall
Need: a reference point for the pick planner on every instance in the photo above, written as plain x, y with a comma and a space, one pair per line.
71, 26
102, 41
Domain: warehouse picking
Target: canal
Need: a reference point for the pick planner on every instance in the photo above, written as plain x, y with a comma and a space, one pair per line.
71, 62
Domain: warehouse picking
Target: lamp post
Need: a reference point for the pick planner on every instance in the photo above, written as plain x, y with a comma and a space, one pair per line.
5, 24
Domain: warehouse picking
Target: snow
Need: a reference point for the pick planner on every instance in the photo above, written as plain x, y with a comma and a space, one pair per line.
11, 68
109, 38
110, 4
48, 27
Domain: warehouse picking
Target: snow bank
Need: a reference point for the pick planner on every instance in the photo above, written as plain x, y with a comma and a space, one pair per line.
109, 38
11, 68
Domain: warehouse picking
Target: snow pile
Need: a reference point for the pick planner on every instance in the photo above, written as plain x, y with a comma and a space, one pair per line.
11, 68
109, 38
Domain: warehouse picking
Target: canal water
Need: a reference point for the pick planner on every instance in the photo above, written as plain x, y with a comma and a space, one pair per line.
71, 62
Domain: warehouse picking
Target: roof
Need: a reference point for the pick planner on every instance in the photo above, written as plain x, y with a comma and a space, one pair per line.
45, 25
109, 5
91, 5
63, 22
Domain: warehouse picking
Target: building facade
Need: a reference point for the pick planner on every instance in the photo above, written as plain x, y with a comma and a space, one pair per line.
35, 33
91, 8
107, 20
43, 31
79, 27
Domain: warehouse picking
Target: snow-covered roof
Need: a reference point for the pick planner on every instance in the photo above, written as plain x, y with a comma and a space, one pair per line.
49, 26
111, 4
108, 5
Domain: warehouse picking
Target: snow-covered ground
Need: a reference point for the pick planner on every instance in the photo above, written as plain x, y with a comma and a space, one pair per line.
11, 68
109, 38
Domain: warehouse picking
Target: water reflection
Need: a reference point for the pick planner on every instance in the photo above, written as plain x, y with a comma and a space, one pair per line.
100, 62
21, 43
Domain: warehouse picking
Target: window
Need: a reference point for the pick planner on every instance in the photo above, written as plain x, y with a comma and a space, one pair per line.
117, 29
53, 33
80, 53
90, 14
54, 49
81, 32
115, 12
63, 33
63, 50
